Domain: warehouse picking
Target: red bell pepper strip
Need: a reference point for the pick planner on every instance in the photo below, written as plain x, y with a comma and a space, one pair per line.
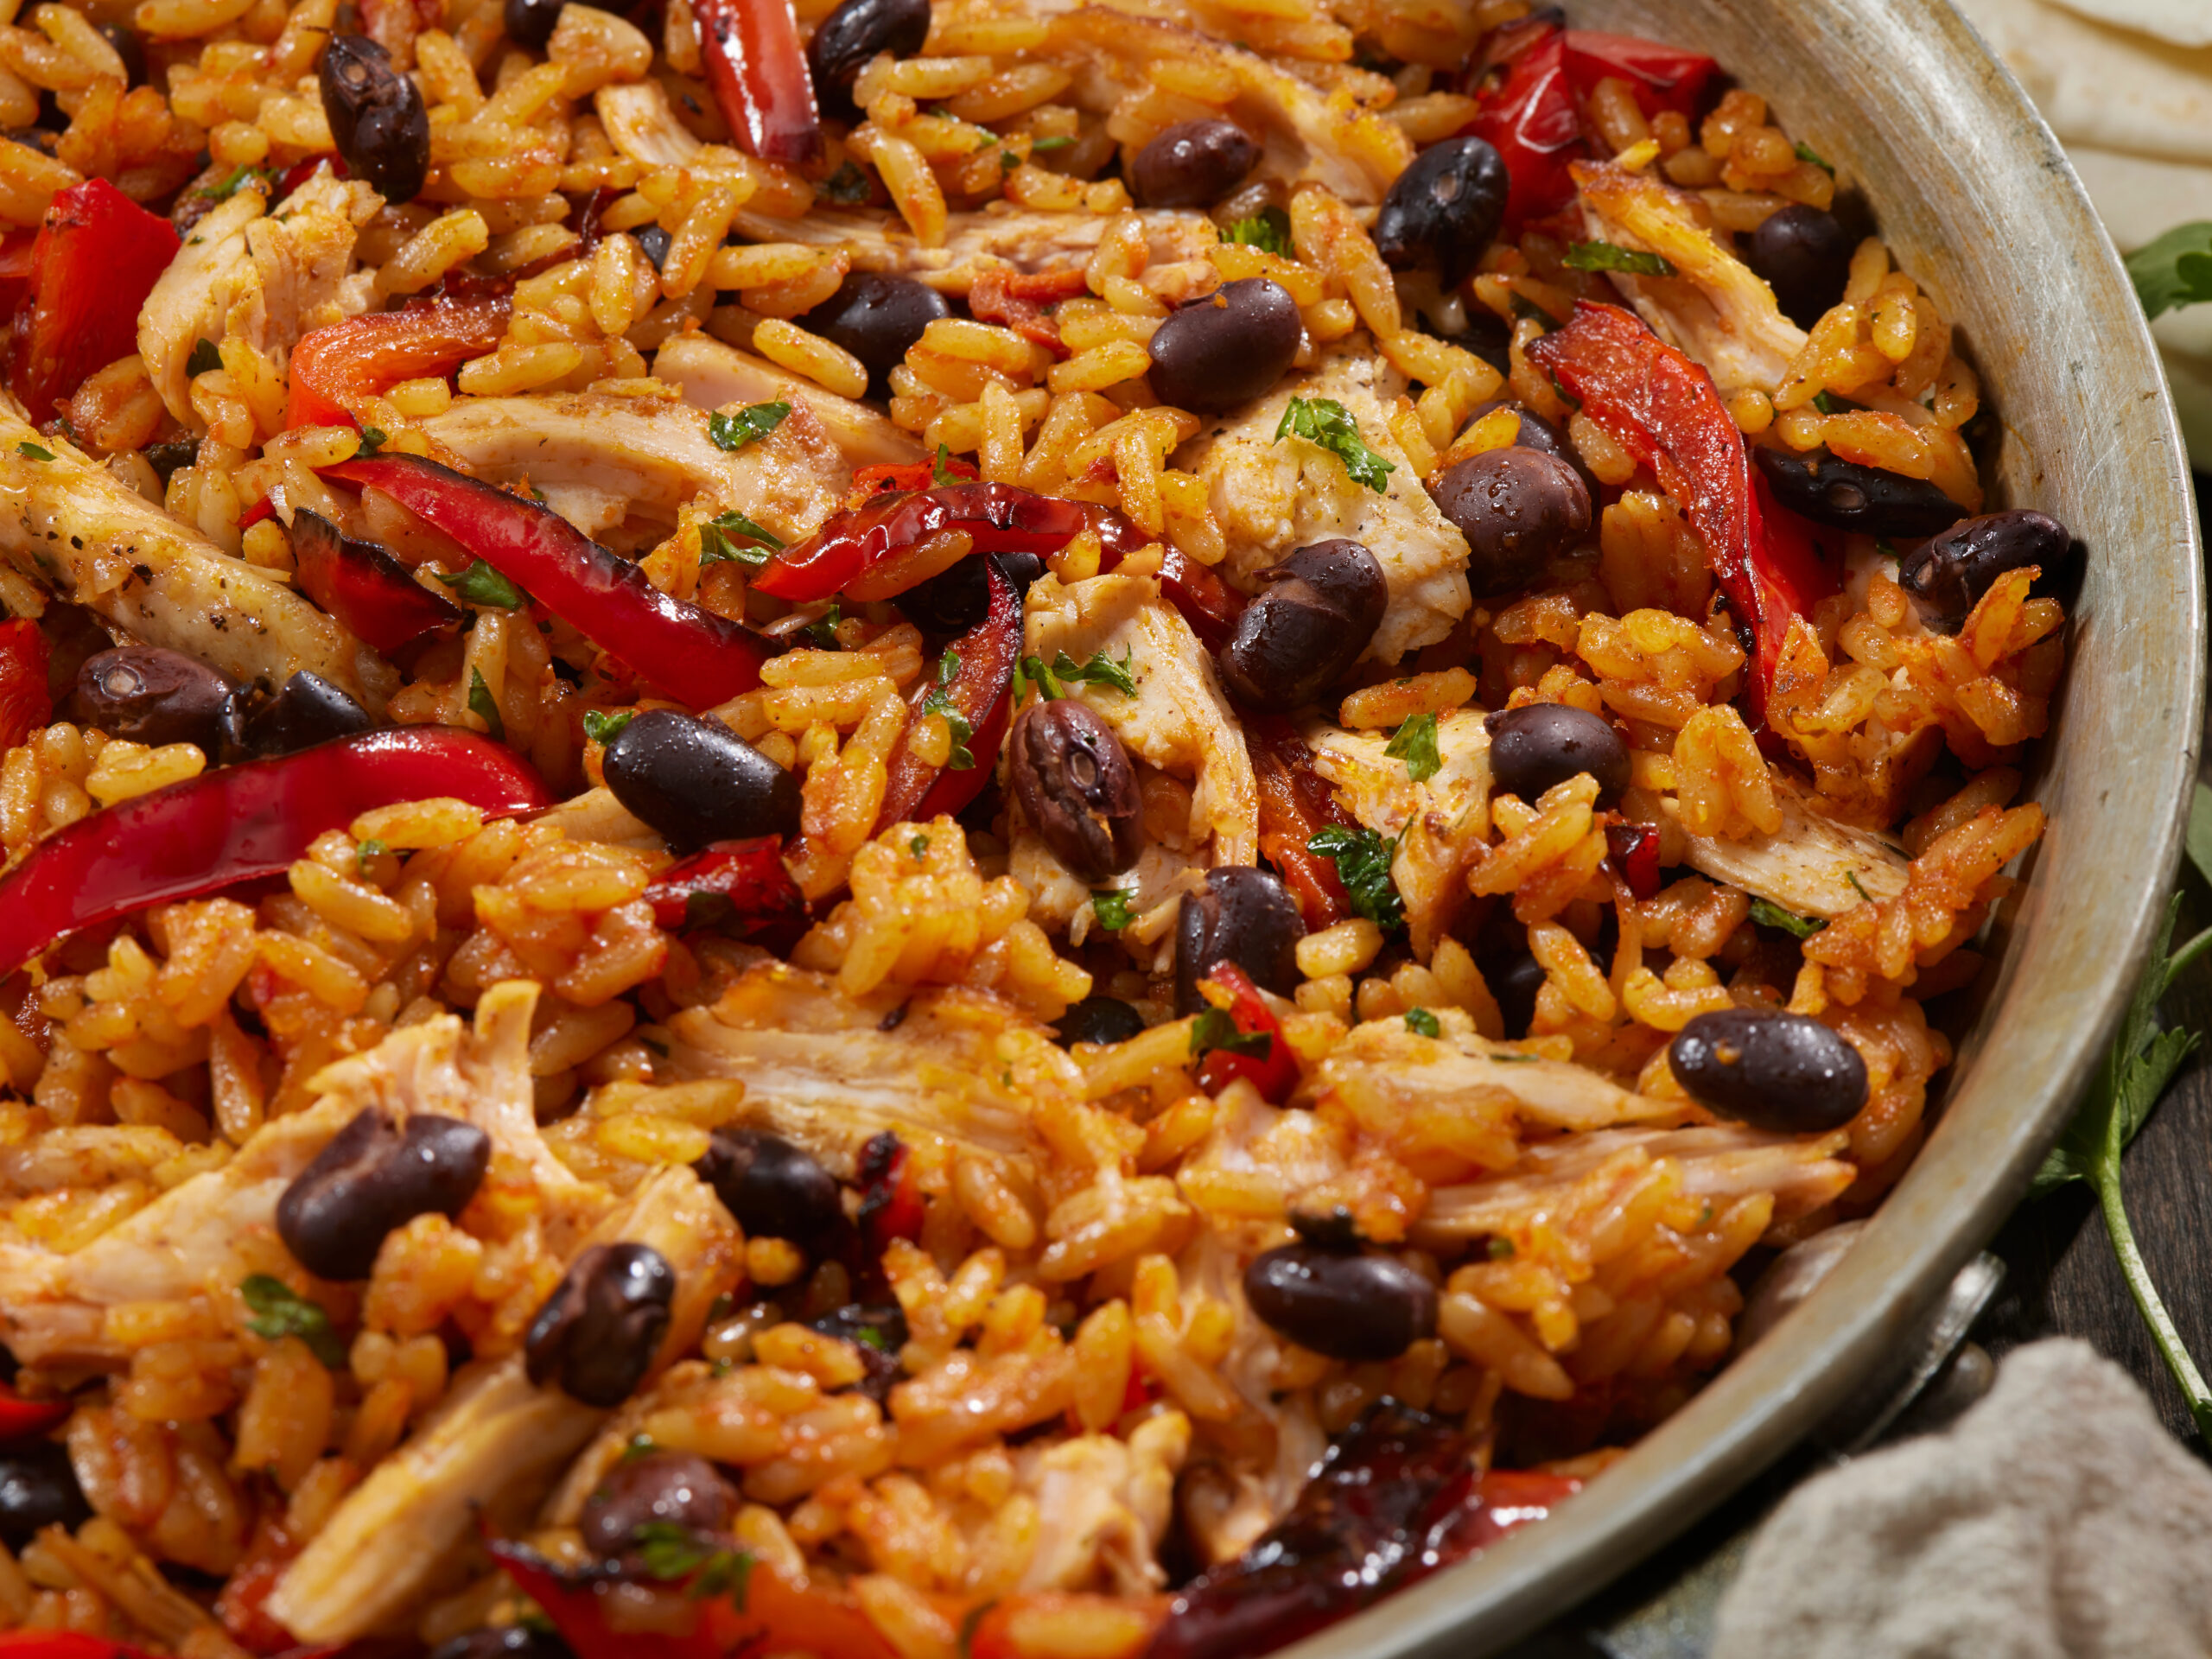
364, 586
757, 71
1210, 605
97, 258
16, 268
1272, 1069
22, 1419
1634, 849
1661, 76
687, 654
1663, 409
1527, 115
65, 1644
1000, 518
740, 884
980, 691
1296, 804
25, 703
242, 822
891, 477
335, 370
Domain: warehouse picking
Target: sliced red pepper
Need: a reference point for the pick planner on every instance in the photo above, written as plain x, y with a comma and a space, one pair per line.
1296, 804
1663, 409
335, 370
1634, 849
25, 703
16, 268
242, 821
889, 478
981, 692
891, 1194
1000, 518
1210, 605
683, 652
364, 586
23, 1420
1527, 115
1793, 565
97, 258
757, 71
1017, 300
1661, 76
65, 1644
1273, 1069
741, 885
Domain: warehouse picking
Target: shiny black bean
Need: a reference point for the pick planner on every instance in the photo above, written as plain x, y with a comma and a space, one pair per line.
1340, 1303
955, 600
1312, 621
877, 318
1947, 574
308, 711
1805, 256
373, 1177
695, 780
1227, 348
596, 1334
1098, 1019
1192, 165
1845, 495
1519, 509
38, 1488
1075, 786
653, 241
1449, 203
376, 117
1241, 915
1534, 748
1785, 1072
774, 1189
504, 1641
878, 1331
1514, 981
677, 1489
1487, 335
852, 35
153, 696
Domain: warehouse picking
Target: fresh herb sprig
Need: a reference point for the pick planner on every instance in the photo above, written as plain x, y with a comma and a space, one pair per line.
734, 432
280, 1311
1328, 424
1608, 256
1362, 859
2175, 270
1268, 229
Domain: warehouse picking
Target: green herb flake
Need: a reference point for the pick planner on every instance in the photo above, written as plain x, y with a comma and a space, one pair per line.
873, 1338
1806, 153
1327, 423
940, 701
821, 632
280, 1311
1422, 1023
1031, 672
1828, 403
1008, 160
640, 1446
1857, 886
482, 703
970, 1623
2174, 270
1414, 743
918, 845
1101, 669
1111, 907
1500, 1247
667, 1551
369, 849
229, 187
373, 438
33, 452
481, 584
1607, 256
732, 538
848, 184
948, 667
941, 470
205, 359
603, 728
1268, 229
1215, 1029
1767, 914
1061, 140
1362, 859
734, 432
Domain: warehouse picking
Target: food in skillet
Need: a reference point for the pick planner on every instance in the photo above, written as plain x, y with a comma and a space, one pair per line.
1020, 831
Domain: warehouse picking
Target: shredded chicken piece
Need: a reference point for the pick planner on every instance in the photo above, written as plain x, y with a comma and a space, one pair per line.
996, 233
1104, 1505
714, 376
1156, 885
640, 125
1809, 866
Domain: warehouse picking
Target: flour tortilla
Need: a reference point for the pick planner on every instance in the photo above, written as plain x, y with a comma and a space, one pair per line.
2183, 23
2104, 85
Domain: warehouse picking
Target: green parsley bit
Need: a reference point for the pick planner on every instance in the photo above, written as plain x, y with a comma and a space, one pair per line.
603, 728
640, 1446
1214, 1029
368, 849
483, 703
1605, 256
1422, 1023
482, 585
280, 1311
667, 1551
205, 359
731, 537
1055, 141
1772, 915
1806, 153
848, 184
734, 432
1328, 424
1857, 886
373, 438
1500, 1247
941, 470
1101, 669
33, 452
1268, 229
1415, 745
1362, 859
1111, 907
918, 845
821, 632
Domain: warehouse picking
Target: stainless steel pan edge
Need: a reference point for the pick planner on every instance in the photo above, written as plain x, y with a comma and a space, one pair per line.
1975, 196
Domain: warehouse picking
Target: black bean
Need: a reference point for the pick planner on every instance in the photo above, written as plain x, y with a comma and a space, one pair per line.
166, 458
878, 1331
1340, 1303
1449, 203
149, 696
1075, 786
596, 1333
677, 1489
1312, 621
653, 241
504, 1641
1519, 509
855, 32
1947, 574
1785, 1072
1845, 495
1805, 256
695, 780
1514, 981
877, 318
38, 1488
373, 1177
531, 23
308, 711
376, 117
774, 1189
1241, 915
1192, 165
1534, 748
1487, 335
955, 598
1227, 348
1098, 1019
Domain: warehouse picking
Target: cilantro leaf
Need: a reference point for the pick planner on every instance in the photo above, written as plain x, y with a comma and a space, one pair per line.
1214, 1029
940, 701
2175, 270
1101, 669
1415, 744
1268, 229
732, 538
848, 184
1607, 256
481, 584
1327, 423
1422, 1023
205, 359
1053, 141
669, 1551
368, 849
821, 632
481, 701
640, 1446
1772, 915
1806, 153
941, 470
280, 1311
753, 421
603, 727
1362, 859
1857, 887
1111, 907
918, 845
34, 452
872, 1336
373, 438
1031, 670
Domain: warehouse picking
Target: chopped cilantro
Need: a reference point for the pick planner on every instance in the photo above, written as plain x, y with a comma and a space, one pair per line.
873, 1338
942, 471
230, 187
280, 1311
482, 585
368, 849
1008, 160
1607, 256
373, 438
603, 728
205, 359
1422, 1023
1268, 229
1806, 153
1772, 915
821, 632
1415, 745
1362, 859
1325, 422
33, 451
918, 845
948, 667
1215, 1029
1111, 907
667, 1551
1101, 669
1500, 1247
754, 421
848, 184
1852, 876
1828, 403
1031, 670
970, 1623
640, 1446
939, 702
732, 538
1055, 141
481, 701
